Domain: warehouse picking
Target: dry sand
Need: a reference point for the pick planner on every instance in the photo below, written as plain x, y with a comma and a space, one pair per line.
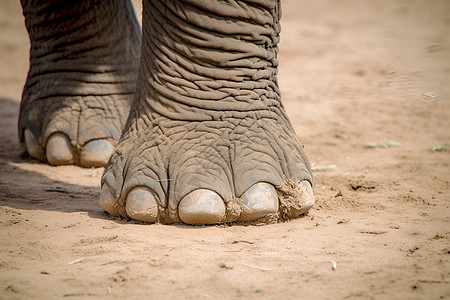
351, 73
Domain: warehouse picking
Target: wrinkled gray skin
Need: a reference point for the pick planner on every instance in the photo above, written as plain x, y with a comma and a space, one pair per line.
207, 139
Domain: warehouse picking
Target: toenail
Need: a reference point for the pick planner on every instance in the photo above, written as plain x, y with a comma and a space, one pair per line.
309, 194
142, 205
107, 201
59, 150
96, 153
32, 145
308, 199
201, 207
259, 200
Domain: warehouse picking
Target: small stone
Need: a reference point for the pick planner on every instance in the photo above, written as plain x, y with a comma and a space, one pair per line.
225, 266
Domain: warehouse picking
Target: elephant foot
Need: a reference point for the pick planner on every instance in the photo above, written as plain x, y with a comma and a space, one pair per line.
207, 140
208, 172
80, 130
81, 81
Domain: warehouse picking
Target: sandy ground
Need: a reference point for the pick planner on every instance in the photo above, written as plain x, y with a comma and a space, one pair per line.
351, 73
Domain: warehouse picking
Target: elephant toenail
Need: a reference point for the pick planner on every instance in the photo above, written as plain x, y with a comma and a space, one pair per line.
33, 148
307, 200
96, 153
259, 200
201, 207
142, 205
308, 192
107, 201
59, 150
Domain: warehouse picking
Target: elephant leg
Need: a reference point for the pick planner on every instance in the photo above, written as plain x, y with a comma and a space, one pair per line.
83, 67
207, 139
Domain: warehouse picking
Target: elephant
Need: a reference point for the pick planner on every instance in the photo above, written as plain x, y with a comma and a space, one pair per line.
185, 114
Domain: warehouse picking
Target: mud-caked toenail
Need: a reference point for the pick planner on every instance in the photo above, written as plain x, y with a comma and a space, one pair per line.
308, 192
59, 150
142, 205
96, 153
201, 207
307, 199
33, 148
259, 200
107, 201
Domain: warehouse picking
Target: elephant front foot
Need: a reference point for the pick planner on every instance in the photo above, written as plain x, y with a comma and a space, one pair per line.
207, 172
